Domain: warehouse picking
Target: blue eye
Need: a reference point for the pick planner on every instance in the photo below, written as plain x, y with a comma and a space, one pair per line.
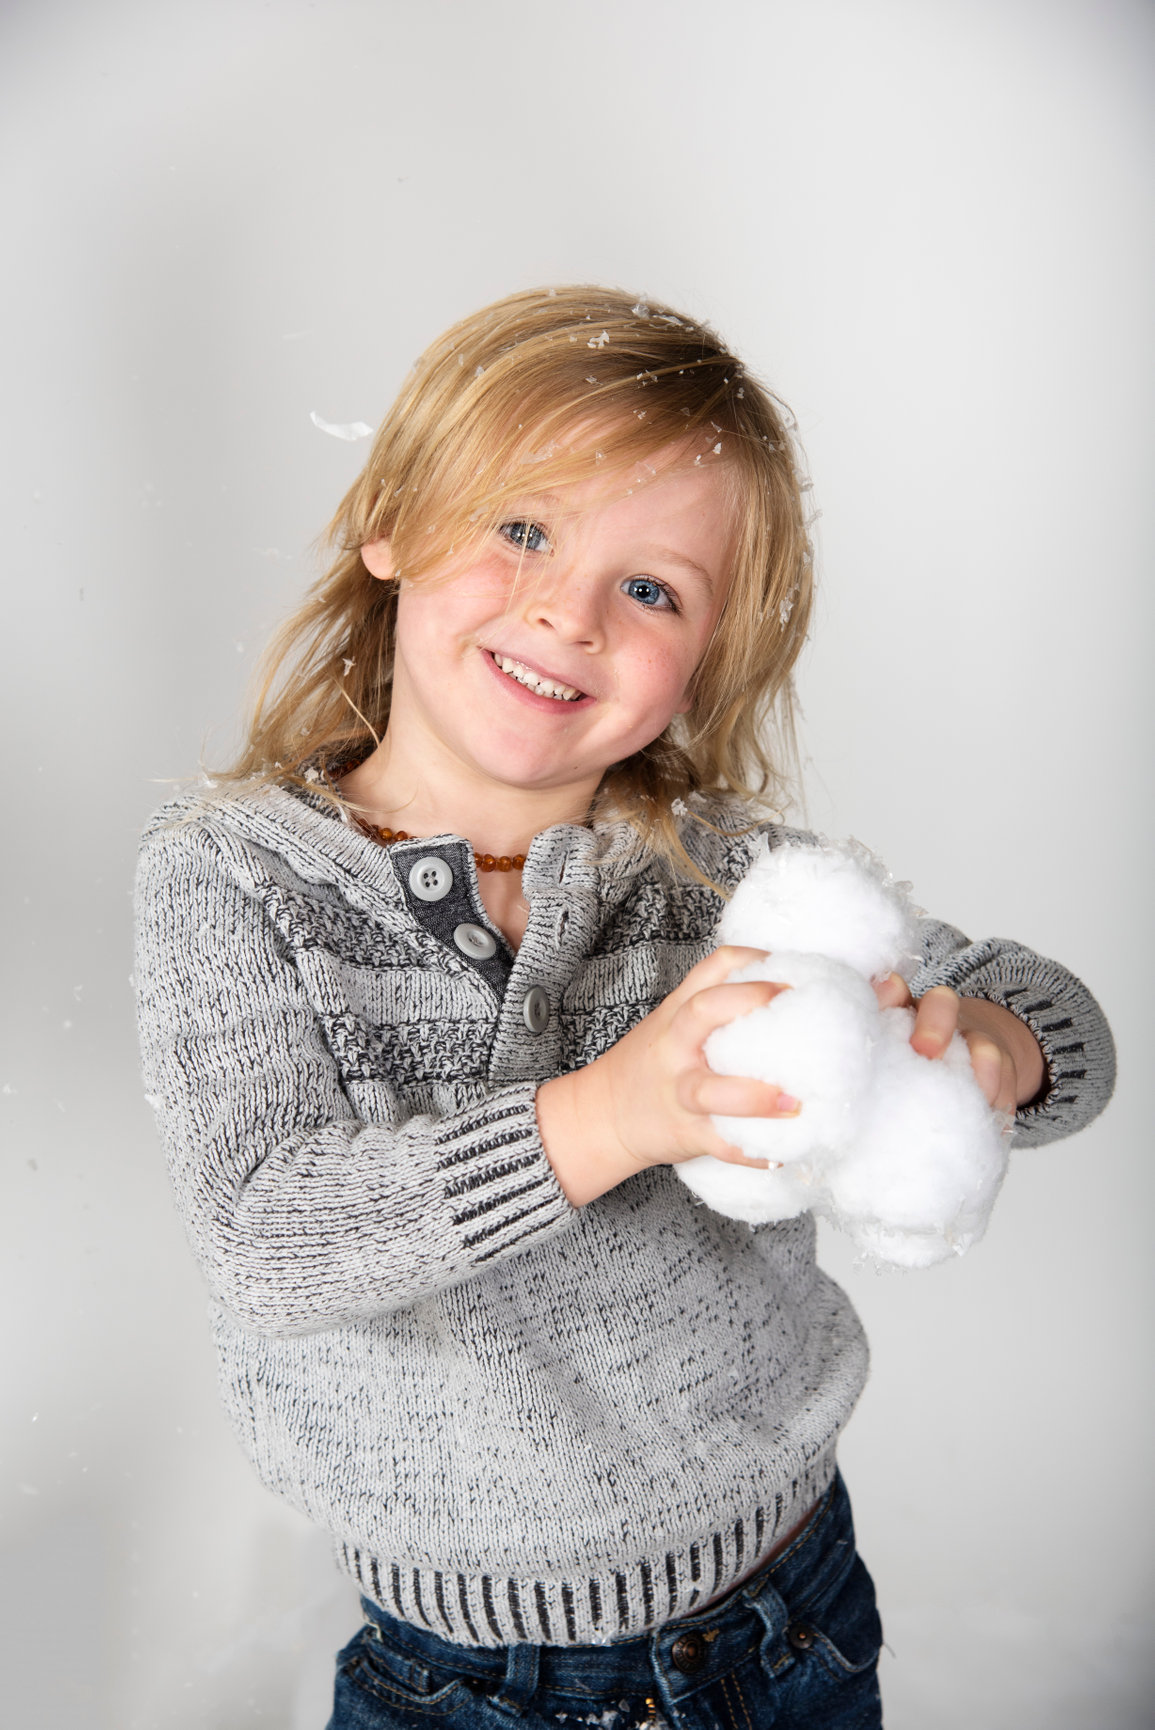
649, 592
528, 537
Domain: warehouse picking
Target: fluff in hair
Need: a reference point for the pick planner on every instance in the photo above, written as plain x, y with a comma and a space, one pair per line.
902, 1153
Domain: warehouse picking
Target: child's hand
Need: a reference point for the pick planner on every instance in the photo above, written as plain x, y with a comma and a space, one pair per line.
1005, 1056
649, 1099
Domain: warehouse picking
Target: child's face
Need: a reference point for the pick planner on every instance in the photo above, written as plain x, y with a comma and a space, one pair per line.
571, 639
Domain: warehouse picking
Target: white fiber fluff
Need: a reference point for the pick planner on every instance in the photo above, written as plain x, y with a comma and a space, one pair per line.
901, 1152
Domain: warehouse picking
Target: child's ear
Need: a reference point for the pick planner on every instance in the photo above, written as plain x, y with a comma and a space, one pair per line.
377, 557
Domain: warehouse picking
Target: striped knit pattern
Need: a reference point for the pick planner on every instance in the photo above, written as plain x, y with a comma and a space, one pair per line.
586, 1610
517, 1421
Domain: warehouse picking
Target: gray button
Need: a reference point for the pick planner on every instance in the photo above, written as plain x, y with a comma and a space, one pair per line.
535, 1009
474, 941
431, 878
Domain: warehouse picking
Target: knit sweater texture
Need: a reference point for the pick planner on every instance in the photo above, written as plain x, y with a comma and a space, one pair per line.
518, 1420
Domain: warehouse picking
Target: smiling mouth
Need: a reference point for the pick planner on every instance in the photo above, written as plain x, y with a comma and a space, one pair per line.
534, 682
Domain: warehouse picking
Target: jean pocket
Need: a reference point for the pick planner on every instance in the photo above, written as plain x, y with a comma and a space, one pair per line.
842, 1629
387, 1672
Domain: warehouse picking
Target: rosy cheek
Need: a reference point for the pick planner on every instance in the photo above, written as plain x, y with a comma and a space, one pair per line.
491, 585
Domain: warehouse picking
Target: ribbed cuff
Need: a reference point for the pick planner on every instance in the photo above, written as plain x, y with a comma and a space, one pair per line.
501, 1189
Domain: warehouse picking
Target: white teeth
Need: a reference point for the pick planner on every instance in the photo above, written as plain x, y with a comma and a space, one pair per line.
531, 681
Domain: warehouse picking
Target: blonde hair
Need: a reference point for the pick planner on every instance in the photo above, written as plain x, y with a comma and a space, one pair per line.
544, 388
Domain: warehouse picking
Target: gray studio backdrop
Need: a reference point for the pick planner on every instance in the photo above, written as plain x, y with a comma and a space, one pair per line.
926, 223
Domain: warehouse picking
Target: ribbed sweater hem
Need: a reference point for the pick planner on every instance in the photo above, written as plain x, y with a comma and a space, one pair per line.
585, 1609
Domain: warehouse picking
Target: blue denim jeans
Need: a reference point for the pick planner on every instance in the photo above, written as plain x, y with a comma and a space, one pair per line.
793, 1648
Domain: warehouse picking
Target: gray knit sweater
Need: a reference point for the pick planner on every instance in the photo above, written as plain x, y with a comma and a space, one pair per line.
519, 1421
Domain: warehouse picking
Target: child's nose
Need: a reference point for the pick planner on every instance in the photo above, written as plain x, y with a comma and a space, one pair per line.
571, 607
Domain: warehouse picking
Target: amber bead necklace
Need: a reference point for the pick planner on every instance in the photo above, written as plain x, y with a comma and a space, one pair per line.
385, 837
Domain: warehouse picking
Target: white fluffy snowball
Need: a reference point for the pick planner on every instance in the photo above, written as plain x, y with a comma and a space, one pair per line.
902, 1153
840, 902
815, 1041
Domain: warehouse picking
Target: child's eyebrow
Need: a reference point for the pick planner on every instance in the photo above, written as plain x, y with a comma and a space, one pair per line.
670, 556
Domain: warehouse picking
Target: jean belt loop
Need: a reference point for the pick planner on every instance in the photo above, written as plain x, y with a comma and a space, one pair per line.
520, 1681
767, 1602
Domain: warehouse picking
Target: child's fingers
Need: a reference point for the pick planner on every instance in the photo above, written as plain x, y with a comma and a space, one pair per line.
936, 1021
730, 1155
715, 1006
942, 1013
893, 992
706, 1095
711, 1095
994, 1070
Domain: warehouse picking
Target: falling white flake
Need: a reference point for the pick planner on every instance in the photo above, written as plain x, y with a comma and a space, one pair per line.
599, 341
312, 774
354, 429
348, 663
717, 450
641, 310
590, 379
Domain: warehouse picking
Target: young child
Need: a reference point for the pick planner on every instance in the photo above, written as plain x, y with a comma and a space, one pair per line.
424, 986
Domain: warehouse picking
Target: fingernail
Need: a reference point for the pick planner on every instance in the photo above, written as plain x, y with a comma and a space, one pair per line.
787, 1105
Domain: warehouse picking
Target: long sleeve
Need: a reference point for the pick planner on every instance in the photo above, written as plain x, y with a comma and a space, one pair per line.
1059, 1010
301, 1213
